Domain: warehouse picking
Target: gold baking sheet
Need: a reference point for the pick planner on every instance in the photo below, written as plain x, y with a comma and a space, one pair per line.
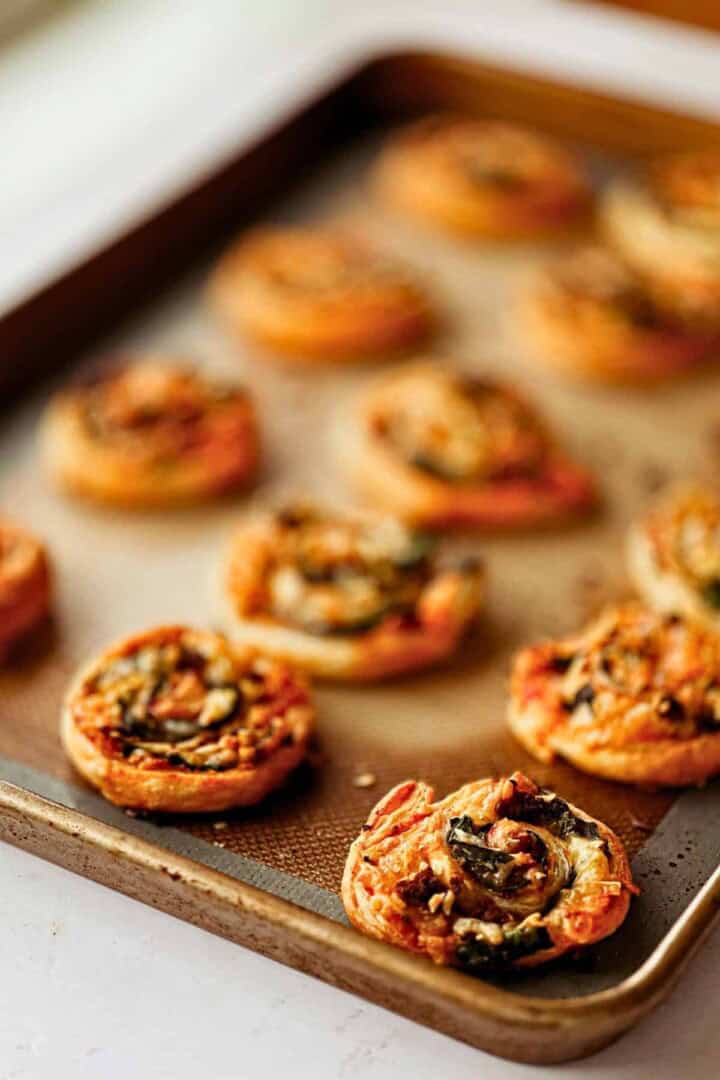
118, 572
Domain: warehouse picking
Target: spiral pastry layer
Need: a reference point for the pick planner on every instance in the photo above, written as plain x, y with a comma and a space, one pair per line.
348, 596
674, 555
176, 720
440, 448
665, 226
634, 697
151, 434
500, 874
318, 294
482, 178
590, 316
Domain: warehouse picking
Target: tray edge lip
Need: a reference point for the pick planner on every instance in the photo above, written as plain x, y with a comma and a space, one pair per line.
366, 35
620, 1006
357, 55
630, 999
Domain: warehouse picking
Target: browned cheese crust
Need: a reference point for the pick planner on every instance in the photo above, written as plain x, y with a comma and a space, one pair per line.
500, 874
589, 316
151, 434
345, 596
315, 294
482, 178
441, 449
176, 720
635, 697
24, 584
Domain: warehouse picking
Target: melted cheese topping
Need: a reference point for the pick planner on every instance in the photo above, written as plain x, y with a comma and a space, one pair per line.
334, 574
461, 429
184, 700
632, 677
684, 535
497, 872
155, 414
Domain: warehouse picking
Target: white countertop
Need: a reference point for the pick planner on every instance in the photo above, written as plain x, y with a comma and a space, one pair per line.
122, 102
98, 986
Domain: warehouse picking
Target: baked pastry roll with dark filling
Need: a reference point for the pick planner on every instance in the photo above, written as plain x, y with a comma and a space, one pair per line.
177, 720
667, 226
634, 697
590, 316
500, 874
24, 584
345, 595
440, 448
482, 178
674, 555
317, 294
151, 434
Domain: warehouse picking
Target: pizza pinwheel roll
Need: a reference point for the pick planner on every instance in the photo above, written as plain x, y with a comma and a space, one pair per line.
345, 596
318, 294
439, 449
176, 720
151, 434
482, 178
674, 555
592, 317
634, 697
500, 874
24, 584
668, 229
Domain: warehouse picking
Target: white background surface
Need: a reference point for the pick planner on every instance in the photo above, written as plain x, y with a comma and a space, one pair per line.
98, 986
119, 103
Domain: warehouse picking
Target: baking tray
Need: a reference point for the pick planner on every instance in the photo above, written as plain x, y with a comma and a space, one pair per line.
269, 877
703, 13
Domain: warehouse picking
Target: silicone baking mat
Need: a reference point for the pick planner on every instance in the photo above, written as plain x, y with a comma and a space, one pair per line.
118, 572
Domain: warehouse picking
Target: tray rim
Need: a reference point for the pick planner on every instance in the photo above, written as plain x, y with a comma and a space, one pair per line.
533, 43
507, 1023
110, 856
